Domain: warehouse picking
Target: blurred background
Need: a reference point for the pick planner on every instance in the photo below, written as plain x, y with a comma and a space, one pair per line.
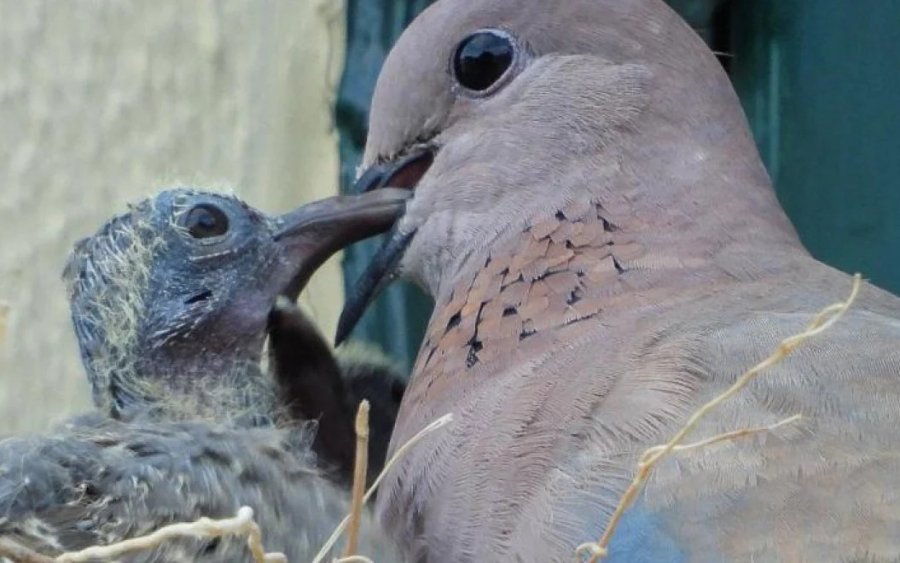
102, 102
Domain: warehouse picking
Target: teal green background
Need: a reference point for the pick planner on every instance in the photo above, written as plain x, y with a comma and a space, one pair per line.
819, 79
396, 321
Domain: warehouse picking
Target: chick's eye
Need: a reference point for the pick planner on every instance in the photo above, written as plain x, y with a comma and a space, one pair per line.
206, 221
482, 58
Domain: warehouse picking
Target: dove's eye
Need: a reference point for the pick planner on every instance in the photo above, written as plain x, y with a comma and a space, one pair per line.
206, 221
482, 59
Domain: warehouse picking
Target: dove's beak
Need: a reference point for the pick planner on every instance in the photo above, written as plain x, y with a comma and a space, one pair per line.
310, 234
404, 172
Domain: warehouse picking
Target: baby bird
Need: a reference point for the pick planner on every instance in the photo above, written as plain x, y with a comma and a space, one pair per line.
171, 304
172, 301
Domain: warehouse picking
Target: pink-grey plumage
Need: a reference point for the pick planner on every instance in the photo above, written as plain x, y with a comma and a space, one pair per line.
606, 253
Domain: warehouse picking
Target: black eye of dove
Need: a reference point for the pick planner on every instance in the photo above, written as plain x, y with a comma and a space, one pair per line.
482, 58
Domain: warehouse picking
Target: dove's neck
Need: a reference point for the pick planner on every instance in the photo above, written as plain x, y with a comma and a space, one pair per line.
583, 260
615, 245
206, 386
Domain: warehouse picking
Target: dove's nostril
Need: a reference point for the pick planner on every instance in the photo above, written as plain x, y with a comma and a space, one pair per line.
204, 295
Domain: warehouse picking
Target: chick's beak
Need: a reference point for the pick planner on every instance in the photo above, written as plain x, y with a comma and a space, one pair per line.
311, 234
404, 172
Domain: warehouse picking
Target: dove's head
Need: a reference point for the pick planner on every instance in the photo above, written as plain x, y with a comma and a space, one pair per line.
174, 295
497, 110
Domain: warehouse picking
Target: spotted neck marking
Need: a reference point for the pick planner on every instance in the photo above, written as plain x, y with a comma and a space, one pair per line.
547, 278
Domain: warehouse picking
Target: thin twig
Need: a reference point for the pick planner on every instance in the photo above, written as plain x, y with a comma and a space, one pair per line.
360, 469
20, 554
733, 435
398, 455
241, 524
820, 323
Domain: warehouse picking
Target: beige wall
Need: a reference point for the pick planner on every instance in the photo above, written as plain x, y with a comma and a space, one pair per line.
102, 102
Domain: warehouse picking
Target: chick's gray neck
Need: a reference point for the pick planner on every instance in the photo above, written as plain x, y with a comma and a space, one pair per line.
195, 384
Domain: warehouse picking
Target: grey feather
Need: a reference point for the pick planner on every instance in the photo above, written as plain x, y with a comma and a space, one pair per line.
171, 328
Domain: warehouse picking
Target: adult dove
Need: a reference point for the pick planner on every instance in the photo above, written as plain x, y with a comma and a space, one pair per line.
606, 253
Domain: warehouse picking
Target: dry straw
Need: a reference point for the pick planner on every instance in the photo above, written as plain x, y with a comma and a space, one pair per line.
241, 524
21, 554
398, 455
360, 470
650, 458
